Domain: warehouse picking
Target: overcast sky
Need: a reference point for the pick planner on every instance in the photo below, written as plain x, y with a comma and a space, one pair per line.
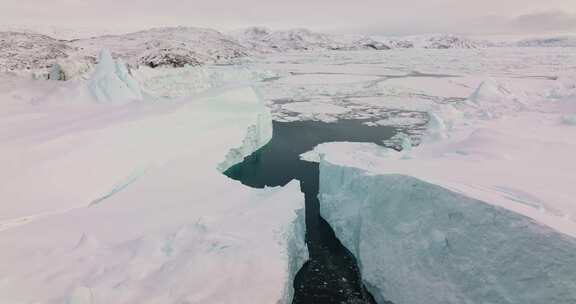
369, 16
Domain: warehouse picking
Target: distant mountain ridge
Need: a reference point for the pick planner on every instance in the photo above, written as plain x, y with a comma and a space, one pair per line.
265, 40
181, 46
261, 39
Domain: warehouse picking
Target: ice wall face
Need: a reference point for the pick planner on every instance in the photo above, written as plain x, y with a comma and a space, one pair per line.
257, 135
420, 243
111, 82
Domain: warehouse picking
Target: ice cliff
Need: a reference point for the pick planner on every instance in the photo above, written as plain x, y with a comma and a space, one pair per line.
420, 243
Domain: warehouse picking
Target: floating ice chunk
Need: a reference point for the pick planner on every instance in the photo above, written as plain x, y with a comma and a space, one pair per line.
314, 107
396, 121
111, 81
350, 153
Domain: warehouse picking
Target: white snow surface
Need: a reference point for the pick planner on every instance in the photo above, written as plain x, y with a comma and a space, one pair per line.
126, 202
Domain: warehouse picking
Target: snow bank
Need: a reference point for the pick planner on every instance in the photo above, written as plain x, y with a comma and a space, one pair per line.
124, 203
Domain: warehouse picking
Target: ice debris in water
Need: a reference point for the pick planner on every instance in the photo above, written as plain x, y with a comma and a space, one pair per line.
111, 81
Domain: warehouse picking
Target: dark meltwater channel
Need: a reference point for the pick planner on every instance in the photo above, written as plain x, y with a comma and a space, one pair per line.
331, 275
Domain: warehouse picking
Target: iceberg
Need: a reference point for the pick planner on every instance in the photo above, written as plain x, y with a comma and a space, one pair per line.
417, 242
111, 82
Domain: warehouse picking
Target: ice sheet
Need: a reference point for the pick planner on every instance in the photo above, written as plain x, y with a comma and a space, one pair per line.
126, 203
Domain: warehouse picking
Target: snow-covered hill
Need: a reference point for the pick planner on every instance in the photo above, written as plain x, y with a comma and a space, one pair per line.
64, 32
265, 40
28, 51
170, 46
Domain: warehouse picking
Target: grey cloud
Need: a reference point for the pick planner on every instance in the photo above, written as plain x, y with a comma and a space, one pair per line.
545, 21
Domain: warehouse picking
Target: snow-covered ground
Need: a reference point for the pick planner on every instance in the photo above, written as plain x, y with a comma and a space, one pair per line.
483, 209
110, 197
